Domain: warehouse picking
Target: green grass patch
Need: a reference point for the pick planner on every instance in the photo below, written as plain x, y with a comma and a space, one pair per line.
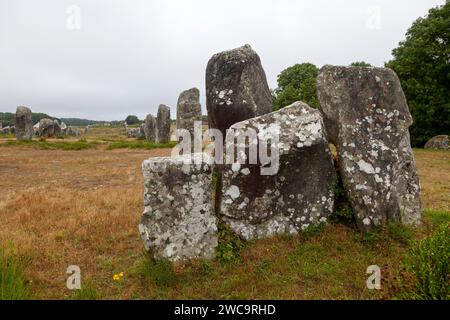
7, 135
42, 144
139, 144
437, 217
87, 292
13, 282
159, 272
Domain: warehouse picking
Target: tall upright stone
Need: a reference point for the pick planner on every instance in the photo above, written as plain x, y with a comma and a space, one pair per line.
299, 190
149, 127
23, 124
367, 117
189, 110
236, 88
162, 131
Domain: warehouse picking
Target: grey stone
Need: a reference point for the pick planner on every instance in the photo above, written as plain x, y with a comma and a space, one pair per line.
63, 127
236, 88
299, 195
149, 127
134, 132
71, 131
441, 142
189, 110
24, 124
5, 130
178, 221
57, 128
46, 128
366, 116
162, 131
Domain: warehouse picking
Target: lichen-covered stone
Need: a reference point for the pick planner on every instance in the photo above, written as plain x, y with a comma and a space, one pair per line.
366, 116
46, 128
162, 131
189, 110
150, 127
236, 88
23, 124
441, 142
178, 221
299, 195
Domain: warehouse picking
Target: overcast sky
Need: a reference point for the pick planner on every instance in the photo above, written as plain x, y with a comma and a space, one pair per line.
127, 57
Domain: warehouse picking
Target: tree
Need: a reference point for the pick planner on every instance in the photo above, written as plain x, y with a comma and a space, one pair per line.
360, 64
422, 62
132, 120
297, 83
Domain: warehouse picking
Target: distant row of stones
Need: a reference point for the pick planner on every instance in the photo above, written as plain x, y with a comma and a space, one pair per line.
363, 112
157, 129
25, 130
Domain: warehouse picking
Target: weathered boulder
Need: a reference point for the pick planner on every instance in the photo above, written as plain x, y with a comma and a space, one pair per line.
299, 194
46, 128
23, 124
149, 127
162, 131
179, 220
189, 110
5, 130
236, 88
366, 116
63, 127
57, 128
441, 142
134, 132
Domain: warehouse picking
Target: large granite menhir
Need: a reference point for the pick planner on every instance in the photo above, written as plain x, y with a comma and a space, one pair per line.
236, 88
150, 127
178, 221
189, 110
24, 124
300, 194
367, 117
162, 131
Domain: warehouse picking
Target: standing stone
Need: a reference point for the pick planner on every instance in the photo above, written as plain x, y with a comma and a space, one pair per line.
441, 142
179, 220
46, 128
299, 195
24, 124
367, 117
57, 128
189, 110
162, 131
149, 127
236, 88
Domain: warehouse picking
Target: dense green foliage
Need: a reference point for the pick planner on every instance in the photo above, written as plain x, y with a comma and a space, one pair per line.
422, 63
297, 83
360, 64
13, 284
80, 122
132, 120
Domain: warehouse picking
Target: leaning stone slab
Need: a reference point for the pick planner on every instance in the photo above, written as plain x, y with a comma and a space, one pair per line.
236, 88
162, 131
24, 124
299, 194
367, 117
178, 221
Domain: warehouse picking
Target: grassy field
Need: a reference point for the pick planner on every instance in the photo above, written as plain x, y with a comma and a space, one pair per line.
61, 206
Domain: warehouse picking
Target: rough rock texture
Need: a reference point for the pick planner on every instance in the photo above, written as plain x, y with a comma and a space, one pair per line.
179, 220
236, 88
299, 195
189, 110
46, 128
366, 116
23, 124
57, 128
150, 127
71, 131
134, 132
439, 142
162, 131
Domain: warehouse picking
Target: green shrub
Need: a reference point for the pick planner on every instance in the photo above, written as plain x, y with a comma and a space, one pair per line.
13, 283
160, 272
426, 273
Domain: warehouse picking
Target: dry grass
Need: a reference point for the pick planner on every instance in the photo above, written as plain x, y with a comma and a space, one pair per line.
60, 208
